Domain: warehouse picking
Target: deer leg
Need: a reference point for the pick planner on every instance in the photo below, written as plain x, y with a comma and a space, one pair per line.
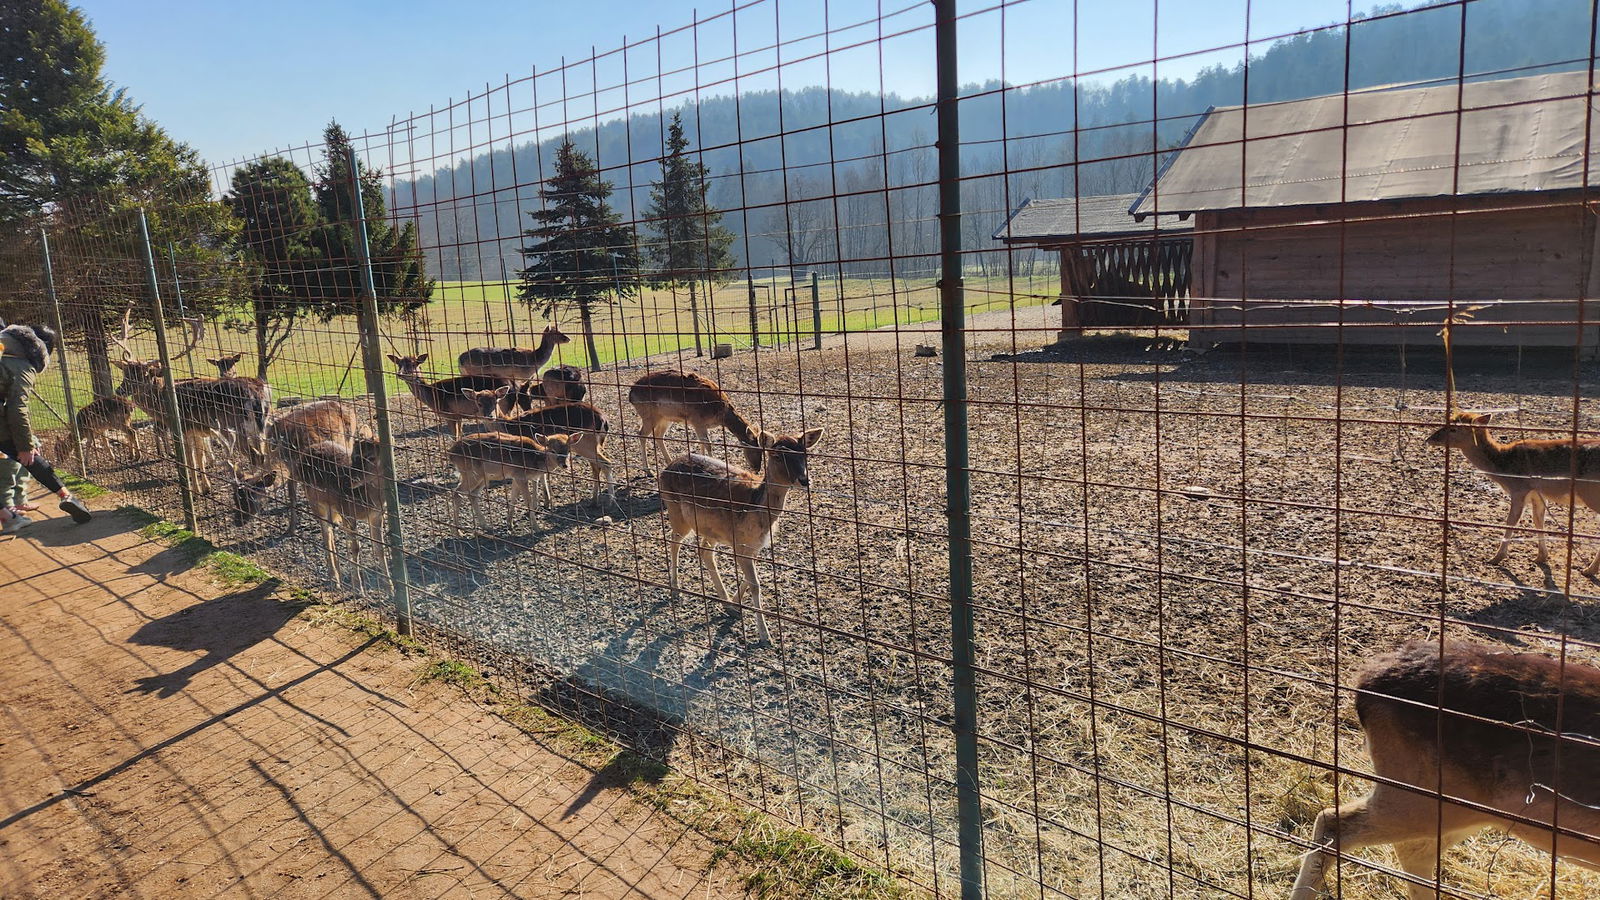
708, 561
704, 434
1539, 507
476, 496
674, 545
751, 587
1518, 500
1420, 860
327, 544
549, 498
1388, 815
659, 434
294, 508
358, 579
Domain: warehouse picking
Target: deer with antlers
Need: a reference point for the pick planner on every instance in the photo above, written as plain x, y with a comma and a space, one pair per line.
206, 406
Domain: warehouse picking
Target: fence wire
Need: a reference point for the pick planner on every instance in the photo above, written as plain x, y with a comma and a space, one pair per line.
1222, 303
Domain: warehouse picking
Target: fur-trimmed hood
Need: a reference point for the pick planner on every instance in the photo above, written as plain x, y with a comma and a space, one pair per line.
19, 340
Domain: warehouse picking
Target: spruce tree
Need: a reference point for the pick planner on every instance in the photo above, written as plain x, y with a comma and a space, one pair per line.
580, 253
689, 245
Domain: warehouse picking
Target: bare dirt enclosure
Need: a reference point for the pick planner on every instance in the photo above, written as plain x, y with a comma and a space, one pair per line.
167, 736
1181, 553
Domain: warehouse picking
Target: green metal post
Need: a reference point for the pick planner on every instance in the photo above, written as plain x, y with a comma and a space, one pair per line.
180, 451
816, 313
61, 350
372, 361
694, 320
755, 328
958, 481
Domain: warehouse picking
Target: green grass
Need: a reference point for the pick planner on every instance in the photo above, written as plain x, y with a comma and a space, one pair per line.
83, 489
229, 568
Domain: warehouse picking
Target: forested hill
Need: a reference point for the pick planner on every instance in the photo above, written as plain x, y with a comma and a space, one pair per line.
1121, 125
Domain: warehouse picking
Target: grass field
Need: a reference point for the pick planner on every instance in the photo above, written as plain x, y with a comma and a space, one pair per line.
322, 358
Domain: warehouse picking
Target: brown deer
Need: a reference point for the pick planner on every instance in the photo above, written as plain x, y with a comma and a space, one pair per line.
518, 364
225, 369
96, 420
587, 426
729, 506
343, 487
450, 398
563, 384
1561, 470
662, 398
1471, 738
288, 437
482, 458
206, 406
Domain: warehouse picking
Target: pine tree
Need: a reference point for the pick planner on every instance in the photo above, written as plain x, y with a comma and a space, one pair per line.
579, 254
398, 269
689, 244
280, 224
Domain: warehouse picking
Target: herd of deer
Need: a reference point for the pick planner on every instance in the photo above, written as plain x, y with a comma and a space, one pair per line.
1518, 749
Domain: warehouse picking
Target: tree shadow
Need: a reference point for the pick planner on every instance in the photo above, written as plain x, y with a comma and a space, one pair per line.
218, 628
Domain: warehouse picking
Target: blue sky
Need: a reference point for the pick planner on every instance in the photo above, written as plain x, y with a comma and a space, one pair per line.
236, 79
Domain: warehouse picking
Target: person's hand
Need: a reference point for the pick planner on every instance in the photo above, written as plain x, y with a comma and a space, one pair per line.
26, 457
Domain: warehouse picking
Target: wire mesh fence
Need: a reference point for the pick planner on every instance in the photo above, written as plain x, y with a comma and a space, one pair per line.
1064, 479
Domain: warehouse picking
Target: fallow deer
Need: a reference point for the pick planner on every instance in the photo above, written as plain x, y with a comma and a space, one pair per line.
1561, 470
662, 398
729, 506
587, 426
343, 486
206, 406
482, 458
563, 384
96, 420
288, 438
225, 369
1472, 738
520, 364
450, 398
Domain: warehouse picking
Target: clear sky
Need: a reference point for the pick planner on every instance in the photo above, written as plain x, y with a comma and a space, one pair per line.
236, 79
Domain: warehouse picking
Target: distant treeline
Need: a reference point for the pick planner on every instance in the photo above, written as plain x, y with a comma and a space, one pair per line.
789, 206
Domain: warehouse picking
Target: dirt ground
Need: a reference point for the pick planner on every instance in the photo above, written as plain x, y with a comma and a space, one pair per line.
164, 736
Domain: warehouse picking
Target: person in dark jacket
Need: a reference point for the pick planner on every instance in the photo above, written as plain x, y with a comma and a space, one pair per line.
24, 355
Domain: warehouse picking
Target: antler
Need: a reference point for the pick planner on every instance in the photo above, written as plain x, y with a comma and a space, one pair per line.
127, 334
197, 330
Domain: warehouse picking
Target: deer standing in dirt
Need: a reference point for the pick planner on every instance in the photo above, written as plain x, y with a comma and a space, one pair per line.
586, 425
1516, 737
96, 420
343, 487
451, 398
289, 436
563, 384
1562, 470
519, 364
206, 406
661, 398
482, 458
725, 505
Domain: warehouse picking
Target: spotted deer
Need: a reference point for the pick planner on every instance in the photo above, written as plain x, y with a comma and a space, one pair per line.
482, 458
520, 364
586, 424
206, 406
289, 436
343, 487
96, 420
725, 505
661, 398
1562, 470
1465, 737
451, 399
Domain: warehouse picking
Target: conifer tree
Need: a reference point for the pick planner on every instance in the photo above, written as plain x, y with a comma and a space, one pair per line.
689, 246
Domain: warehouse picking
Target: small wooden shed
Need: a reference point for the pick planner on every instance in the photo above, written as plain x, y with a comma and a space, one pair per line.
1115, 271
1367, 217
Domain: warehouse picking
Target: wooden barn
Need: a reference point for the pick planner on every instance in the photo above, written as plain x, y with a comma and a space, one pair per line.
1387, 208
1114, 271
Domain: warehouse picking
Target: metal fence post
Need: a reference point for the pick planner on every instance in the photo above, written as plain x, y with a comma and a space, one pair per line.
61, 350
816, 313
958, 483
755, 328
180, 452
694, 320
372, 361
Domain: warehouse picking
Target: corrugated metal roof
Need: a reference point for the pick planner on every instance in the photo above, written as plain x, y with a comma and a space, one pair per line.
1516, 135
1072, 217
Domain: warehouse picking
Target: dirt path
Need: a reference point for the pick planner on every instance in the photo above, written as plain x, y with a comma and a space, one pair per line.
163, 736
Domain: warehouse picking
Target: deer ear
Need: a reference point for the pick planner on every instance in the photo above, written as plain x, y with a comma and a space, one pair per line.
765, 440
394, 359
422, 359
1481, 419
810, 438
270, 479
502, 390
